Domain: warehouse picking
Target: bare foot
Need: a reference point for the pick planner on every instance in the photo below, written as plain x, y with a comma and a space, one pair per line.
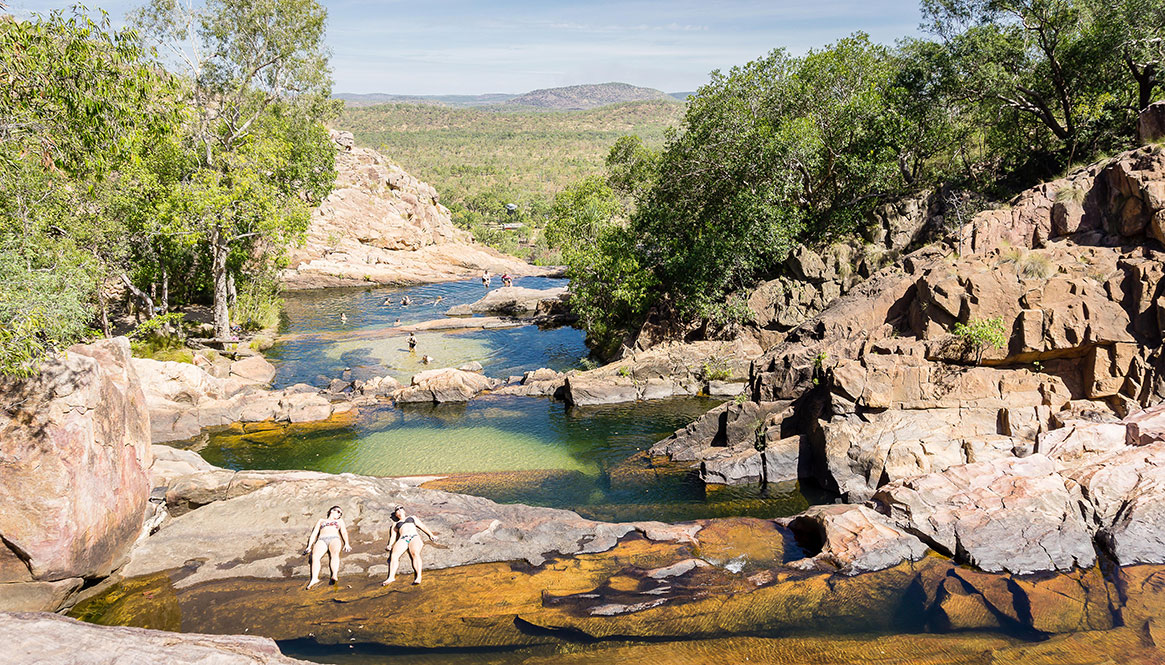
417, 581
312, 583
388, 581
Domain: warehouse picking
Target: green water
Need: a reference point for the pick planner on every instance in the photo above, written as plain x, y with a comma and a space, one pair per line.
518, 450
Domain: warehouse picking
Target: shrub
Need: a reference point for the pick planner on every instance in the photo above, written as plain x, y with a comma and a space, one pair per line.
978, 335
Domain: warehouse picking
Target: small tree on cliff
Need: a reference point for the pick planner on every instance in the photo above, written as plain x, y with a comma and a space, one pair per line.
258, 87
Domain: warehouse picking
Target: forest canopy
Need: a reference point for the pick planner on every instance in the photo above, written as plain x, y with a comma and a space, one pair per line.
191, 144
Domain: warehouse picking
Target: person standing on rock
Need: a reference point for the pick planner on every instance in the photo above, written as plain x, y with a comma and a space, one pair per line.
329, 535
405, 535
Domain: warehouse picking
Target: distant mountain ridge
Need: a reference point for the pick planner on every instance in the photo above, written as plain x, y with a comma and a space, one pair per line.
568, 98
582, 97
368, 99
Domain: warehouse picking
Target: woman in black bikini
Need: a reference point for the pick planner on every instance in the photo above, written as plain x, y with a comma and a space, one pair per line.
328, 536
405, 534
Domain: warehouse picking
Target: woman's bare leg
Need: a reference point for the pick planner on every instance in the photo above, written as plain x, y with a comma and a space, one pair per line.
394, 559
317, 553
415, 555
334, 558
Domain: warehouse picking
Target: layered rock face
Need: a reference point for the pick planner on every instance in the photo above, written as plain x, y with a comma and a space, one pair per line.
1013, 458
380, 225
75, 442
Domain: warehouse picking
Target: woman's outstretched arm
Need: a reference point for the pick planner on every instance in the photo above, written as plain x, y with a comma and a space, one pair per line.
315, 533
422, 527
344, 537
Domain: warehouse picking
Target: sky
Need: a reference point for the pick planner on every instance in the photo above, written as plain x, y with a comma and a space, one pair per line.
513, 46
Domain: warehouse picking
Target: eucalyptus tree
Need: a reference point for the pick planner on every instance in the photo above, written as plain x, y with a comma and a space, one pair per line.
77, 103
257, 84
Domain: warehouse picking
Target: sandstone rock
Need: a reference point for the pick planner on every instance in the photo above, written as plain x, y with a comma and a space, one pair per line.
1145, 427
581, 391
1151, 123
739, 467
1010, 515
514, 301
75, 443
854, 539
726, 388
254, 369
259, 529
1124, 491
31, 638
862, 453
444, 385
382, 226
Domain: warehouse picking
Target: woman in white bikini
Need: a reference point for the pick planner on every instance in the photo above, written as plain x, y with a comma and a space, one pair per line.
405, 535
329, 535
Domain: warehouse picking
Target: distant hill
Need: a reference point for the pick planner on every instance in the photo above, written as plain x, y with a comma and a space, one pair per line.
569, 98
368, 99
583, 97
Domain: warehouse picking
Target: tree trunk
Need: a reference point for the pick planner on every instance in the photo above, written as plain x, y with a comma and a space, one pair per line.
222, 319
165, 304
146, 300
232, 293
104, 309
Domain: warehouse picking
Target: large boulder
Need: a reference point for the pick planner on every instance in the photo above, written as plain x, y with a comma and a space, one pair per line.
75, 440
515, 301
33, 638
444, 385
852, 540
1011, 515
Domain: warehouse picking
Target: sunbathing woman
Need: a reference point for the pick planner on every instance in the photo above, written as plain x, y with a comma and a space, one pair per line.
405, 535
328, 536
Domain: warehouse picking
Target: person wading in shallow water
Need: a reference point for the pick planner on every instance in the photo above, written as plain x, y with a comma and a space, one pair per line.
328, 536
412, 342
405, 535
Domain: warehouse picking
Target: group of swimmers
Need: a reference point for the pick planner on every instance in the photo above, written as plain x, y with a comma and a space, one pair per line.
330, 535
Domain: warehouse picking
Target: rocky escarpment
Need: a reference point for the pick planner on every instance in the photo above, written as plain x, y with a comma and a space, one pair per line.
958, 442
74, 460
380, 225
